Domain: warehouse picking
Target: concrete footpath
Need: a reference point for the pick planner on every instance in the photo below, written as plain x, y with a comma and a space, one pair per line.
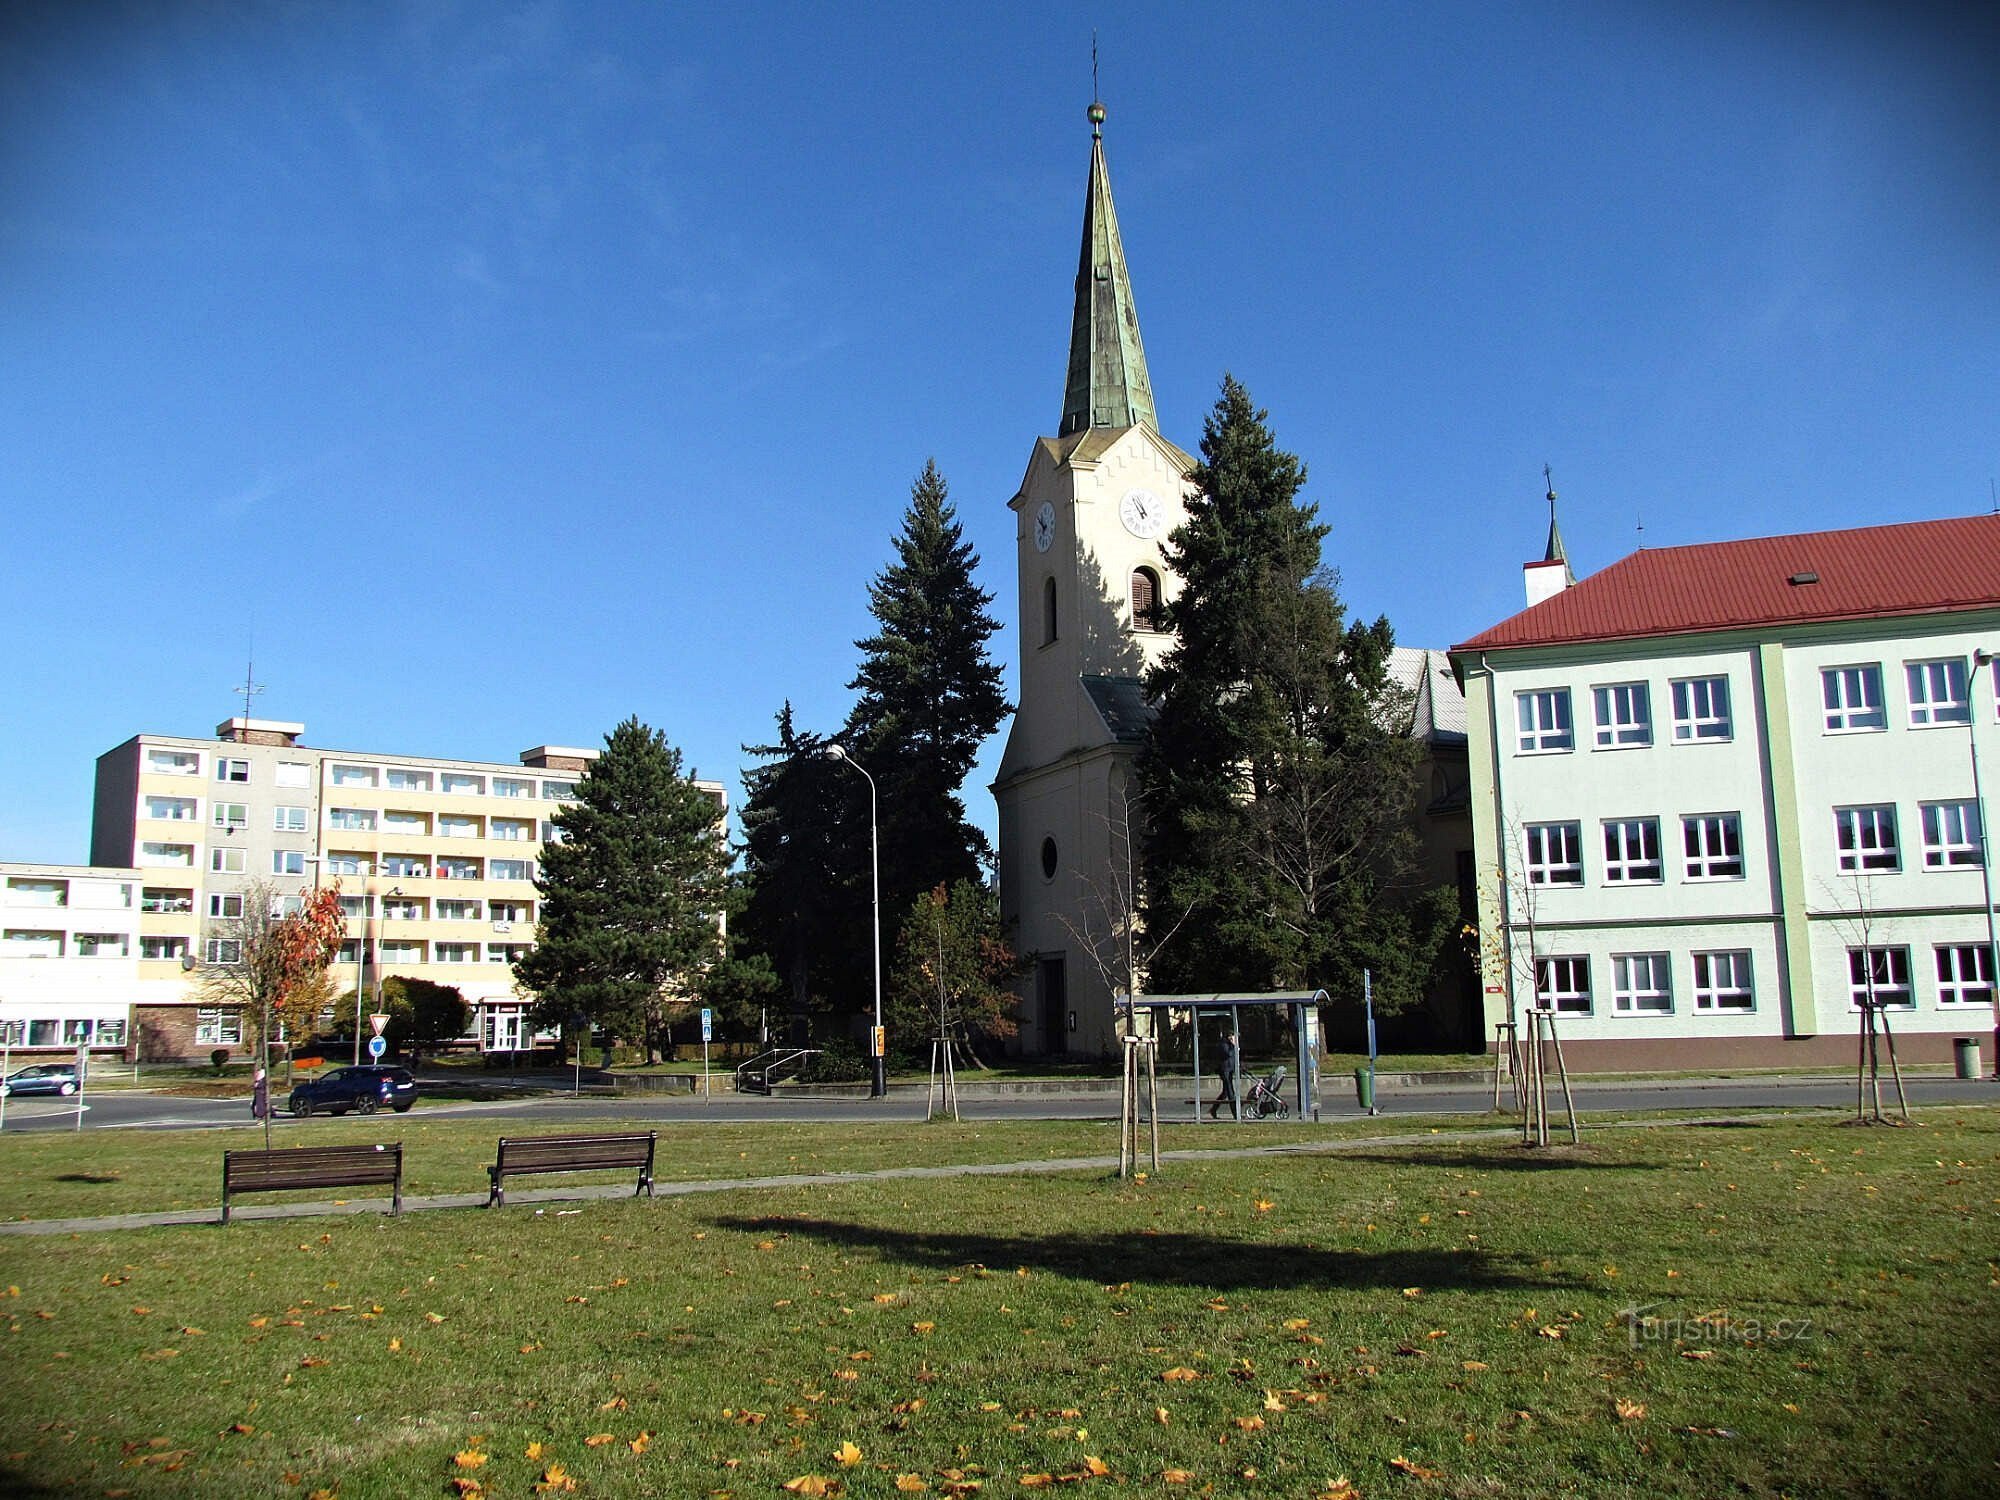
517, 1198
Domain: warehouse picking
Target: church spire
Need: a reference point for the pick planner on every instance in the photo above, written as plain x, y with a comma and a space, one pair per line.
1108, 385
1555, 552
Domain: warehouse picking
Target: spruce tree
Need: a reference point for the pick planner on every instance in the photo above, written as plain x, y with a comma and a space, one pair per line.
930, 696
633, 893
1275, 782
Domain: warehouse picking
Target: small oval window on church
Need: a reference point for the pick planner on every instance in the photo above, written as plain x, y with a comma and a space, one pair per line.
1048, 859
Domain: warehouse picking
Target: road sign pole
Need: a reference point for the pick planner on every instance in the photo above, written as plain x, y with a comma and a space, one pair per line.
707, 1031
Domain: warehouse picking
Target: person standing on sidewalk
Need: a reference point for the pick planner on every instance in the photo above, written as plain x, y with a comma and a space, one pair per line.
1231, 1057
260, 1096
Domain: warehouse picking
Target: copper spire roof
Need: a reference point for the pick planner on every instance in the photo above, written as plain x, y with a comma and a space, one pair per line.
1108, 385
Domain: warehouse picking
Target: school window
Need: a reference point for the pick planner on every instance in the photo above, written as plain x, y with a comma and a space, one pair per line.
225, 906
1562, 984
218, 1028
232, 770
1964, 974
231, 815
226, 861
1881, 975
1938, 692
1853, 698
288, 862
1632, 851
1555, 853
1866, 838
1641, 984
1951, 835
1624, 715
289, 819
1713, 844
1701, 710
224, 950
1722, 981
1542, 716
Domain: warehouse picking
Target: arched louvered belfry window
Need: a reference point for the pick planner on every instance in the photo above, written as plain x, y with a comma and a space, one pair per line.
1145, 599
1048, 611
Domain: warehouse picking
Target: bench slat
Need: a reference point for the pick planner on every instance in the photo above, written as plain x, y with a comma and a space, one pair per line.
538, 1154
299, 1167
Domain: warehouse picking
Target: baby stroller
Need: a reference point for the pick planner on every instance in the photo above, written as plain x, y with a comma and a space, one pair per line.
1266, 1097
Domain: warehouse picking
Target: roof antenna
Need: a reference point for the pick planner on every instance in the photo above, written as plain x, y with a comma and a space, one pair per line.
1096, 110
251, 687
1995, 493
1642, 533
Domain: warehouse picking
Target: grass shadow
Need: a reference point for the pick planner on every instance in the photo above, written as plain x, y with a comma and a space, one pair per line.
1195, 1260
88, 1177
1505, 1159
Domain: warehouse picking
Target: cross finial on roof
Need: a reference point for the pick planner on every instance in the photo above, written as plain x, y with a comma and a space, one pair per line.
1555, 551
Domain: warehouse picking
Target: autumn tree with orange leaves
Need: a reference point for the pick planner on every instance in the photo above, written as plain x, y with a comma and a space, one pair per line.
271, 962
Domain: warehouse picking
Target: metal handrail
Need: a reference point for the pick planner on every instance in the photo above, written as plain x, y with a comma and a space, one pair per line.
758, 1074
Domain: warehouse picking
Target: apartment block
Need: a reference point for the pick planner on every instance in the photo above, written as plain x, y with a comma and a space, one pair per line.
1724, 793
69, 957
435, 859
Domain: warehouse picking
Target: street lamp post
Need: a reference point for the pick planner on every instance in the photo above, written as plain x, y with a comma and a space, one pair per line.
1984, 659
875, 1040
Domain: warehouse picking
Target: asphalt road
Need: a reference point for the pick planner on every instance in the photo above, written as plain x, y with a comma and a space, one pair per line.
126, 1110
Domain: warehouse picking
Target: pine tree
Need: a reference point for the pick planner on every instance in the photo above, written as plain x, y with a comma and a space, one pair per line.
930, 696
1276, 784
633, 893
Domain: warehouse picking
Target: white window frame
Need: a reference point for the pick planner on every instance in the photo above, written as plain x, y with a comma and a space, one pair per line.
223, 860
460, 867
226, 951
1865, 839
1951, 834
1701, 710
1725, 981
1544, 725
351, 819
218, 1026
171, 947
1562, 983
471, 785
285, 819
1964, 974
103, 945
1553, 853
1705, 841
1851, 697
292, 773
471, 915
164, 809
228, 904
515, 787
405, 867
231, 770
351, 775
1642, 984
1623, 712
345, 864
1939, 692
288, 862
402, 779
559, 791
230, 815
1884, 960
527, 871
1632, 852
455, 952
173, 762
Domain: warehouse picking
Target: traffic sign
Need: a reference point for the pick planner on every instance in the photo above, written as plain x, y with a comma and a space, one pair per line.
707, 1024
377, 1046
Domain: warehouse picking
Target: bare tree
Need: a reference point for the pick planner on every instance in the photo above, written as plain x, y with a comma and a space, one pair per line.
1854, 916
1108, 927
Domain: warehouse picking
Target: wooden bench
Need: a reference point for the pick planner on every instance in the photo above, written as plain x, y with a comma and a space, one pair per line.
313, 1167
528, 1155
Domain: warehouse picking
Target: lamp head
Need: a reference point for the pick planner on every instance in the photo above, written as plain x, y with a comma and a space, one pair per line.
834, 752
1982, 657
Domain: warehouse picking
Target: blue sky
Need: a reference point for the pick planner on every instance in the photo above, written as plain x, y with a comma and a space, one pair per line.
503, 370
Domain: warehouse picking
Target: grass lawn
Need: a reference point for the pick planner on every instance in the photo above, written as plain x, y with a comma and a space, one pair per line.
1819, 1315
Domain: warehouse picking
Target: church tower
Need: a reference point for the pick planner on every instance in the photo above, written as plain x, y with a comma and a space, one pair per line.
1097, 502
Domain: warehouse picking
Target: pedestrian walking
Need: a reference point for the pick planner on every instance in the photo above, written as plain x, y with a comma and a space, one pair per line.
1231, 1059
260, 1096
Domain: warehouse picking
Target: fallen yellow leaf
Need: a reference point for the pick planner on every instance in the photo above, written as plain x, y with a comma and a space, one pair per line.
1178, 1373
911, 1484
1629, 1411
598, 1439
470, 1458
1092, 1464
641, 1443
847, 1455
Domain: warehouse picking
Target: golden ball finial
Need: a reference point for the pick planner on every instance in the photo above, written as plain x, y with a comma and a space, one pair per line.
1096, 113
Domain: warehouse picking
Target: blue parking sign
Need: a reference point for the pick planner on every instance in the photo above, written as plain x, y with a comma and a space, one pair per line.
707, 1024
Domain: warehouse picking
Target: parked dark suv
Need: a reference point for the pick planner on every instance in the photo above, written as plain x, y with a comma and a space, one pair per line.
363, 1090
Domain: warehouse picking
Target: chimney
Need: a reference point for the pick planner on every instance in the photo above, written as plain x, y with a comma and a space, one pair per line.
242, 731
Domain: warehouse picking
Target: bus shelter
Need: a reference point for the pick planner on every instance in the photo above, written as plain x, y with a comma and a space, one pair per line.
1301, 1009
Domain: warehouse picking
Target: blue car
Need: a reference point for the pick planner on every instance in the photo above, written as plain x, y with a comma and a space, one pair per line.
364, 1090
42, 1078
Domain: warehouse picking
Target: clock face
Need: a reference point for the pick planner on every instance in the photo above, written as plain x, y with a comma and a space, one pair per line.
1045, 527
1144, 514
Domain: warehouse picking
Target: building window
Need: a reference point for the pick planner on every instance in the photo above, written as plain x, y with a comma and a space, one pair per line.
163, 947
163, 899
409, 781
507, 953
1049, 859
1542, 715
289, 819
351, 819
1555, 853
1563, 984
462, 784
231, 815
1938, 692
218, 1028
457, 953
350, 952
1048, 611
1880, 974
1641, 984
1951, 835
513, 829
1624, 715
402, 951
22, 891
225, 951
288, 862
507, 869
292, 773
404, 908
1722, 981
1145, 599
173, 762
1853, 698
221, 905
405, 866
559, 791
226, 861
22, 942
102, 945
354, 776
415, 824
354, 907
1964, 974
458, 911
110, 1031
1632, 851
170, 855
1701, 709
1714, 846
1866, 837
509, 911
510, 786
171, 809
455, 826
345, 864
458, 869
232, 770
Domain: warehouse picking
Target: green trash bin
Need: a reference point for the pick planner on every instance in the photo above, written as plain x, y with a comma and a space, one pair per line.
1364, 1088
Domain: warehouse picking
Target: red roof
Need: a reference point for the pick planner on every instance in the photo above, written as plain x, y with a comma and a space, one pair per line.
1921, 567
